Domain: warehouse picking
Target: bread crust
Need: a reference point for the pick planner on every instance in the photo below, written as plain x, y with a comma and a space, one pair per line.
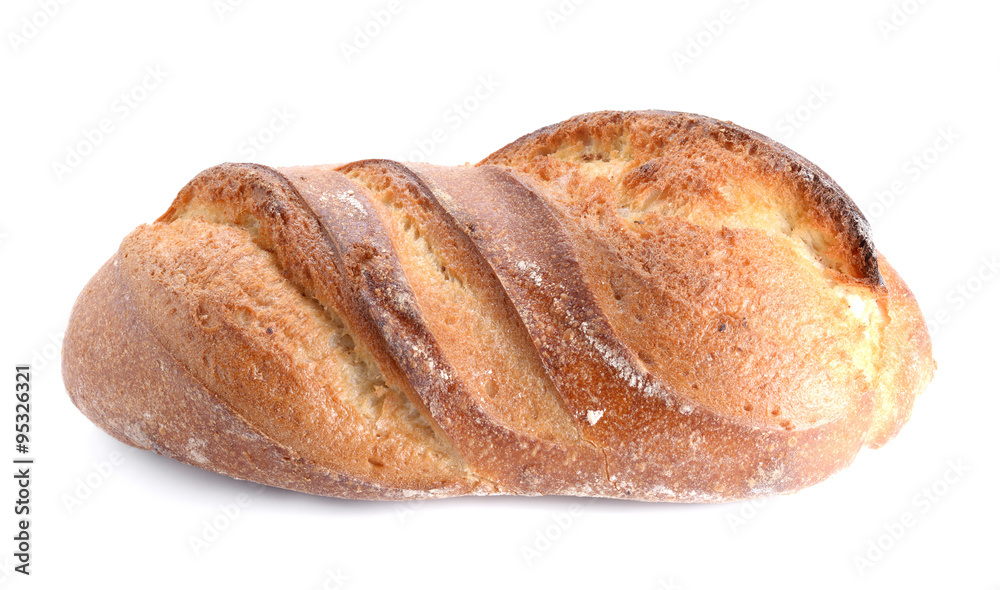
687, 310
157, 404
814, 186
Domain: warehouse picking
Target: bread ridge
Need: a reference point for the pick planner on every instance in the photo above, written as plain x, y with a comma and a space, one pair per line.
499, 454
640, 437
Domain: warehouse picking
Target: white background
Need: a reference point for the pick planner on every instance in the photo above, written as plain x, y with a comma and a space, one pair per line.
882, 95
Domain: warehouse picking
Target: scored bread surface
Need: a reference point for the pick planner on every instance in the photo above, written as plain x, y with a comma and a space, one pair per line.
643, 305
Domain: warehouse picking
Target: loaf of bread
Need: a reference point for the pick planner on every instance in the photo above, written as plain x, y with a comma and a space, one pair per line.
645, 305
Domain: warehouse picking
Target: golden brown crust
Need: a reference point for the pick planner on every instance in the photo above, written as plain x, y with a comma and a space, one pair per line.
906, 360
701, 151
516, 459
122, 378
646, 305
658, 443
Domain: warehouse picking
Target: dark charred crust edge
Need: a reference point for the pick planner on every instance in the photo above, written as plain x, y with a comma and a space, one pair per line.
824, 194
265, 178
